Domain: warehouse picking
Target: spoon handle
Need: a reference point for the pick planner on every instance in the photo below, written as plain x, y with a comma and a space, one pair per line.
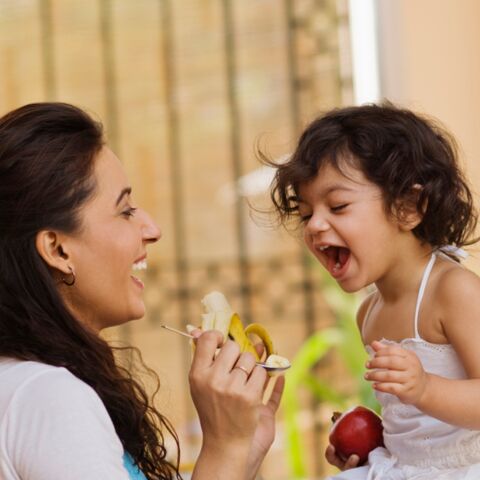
171, 329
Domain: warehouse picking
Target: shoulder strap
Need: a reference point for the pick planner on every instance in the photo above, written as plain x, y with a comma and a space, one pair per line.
421, 291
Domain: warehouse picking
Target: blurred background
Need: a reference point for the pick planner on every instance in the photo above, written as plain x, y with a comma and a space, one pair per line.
188, 90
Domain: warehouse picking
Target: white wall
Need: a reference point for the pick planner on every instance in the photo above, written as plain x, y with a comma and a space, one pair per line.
429, 57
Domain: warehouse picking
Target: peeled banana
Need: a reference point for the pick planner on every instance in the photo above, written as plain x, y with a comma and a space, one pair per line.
220, 316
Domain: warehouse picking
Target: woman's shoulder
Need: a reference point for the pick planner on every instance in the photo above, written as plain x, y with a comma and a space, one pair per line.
24, 372
46, 410
43, 385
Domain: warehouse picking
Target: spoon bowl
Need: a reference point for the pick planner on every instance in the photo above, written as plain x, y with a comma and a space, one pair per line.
271, 368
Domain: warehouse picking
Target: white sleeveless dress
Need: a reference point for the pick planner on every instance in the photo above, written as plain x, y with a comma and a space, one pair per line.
418, 446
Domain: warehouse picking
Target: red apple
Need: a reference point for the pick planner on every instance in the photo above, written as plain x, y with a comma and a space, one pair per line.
357, 431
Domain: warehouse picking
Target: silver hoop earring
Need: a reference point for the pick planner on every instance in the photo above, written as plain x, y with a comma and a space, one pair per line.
72, 281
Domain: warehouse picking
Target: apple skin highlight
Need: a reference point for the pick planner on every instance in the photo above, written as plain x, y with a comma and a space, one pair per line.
357, 431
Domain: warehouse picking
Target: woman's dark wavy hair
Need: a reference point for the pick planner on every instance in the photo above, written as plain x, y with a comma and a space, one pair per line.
47, 156
395, 149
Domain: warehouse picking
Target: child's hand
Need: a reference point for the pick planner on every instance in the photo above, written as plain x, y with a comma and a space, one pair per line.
398, 371
335, 460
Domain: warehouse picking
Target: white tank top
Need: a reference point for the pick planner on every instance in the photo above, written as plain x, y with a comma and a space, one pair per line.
411, 436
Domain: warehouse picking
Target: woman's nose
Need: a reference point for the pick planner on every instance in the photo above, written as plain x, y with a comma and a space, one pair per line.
150, 230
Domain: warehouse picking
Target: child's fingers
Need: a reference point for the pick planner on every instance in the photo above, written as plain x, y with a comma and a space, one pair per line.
332, 458
377, 346
387, 350
391, 376
385, 387
351, 462
393, 362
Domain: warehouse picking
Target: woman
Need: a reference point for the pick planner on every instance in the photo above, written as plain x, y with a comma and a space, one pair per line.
70, 236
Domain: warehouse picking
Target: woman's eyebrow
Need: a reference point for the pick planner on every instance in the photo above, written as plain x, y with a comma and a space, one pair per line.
125, 191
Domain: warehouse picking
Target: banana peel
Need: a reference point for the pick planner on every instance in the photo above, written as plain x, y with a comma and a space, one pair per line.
237, 333
220, 316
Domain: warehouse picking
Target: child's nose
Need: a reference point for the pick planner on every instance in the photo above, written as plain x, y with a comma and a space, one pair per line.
317, 224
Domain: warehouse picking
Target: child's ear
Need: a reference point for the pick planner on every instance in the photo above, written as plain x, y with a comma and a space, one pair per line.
408, 211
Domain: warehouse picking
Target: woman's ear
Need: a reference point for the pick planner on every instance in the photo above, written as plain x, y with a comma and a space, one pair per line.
408, 211
50, 246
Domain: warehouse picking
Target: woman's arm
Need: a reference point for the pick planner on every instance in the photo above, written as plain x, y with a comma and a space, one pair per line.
237, 428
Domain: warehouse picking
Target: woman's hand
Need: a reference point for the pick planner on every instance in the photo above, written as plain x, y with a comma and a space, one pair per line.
265, 432
227, 391
334, 459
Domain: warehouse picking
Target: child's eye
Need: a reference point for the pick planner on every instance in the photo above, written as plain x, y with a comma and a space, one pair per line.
338, 208
129, 212
305, 218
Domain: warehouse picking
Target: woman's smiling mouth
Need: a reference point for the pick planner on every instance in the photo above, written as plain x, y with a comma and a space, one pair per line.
139, 266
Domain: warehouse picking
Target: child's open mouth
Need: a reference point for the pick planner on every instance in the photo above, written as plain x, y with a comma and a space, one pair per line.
337, 259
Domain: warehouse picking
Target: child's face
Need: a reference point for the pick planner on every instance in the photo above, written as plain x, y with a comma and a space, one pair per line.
346, 226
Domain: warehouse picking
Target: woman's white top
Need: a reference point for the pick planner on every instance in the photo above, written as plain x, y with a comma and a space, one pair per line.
419, 446
53, 426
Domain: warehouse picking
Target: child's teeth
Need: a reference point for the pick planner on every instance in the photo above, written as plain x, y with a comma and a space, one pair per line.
337, 266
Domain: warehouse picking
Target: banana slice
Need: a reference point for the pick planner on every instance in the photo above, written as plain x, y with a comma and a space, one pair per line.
220, 316
276, 361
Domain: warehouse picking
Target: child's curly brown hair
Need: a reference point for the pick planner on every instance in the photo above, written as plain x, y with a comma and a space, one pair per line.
409, 157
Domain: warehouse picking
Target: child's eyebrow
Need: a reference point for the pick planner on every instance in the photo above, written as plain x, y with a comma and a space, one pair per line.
336, 187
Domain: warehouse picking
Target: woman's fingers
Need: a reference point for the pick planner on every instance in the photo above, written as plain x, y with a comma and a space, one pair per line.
228, 368
259, 348
276, 395
243, 367
206, 347
227, 357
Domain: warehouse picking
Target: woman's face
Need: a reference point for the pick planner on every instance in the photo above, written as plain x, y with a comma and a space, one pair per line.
107, 250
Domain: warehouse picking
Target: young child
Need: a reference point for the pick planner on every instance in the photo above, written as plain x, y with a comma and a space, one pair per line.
382, 201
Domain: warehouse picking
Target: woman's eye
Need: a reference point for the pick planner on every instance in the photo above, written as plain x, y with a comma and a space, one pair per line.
305, 218
338, 208
129, 212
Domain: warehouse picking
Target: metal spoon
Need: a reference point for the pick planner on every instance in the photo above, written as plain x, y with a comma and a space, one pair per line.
269, 368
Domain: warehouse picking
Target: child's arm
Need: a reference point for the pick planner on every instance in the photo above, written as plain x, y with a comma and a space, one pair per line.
401, 373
